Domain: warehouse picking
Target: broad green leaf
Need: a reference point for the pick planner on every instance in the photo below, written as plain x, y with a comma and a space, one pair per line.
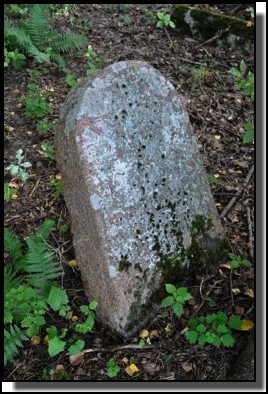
246, 263
27, 164
76, 347
234, 264
84, 309
182, 292
168, 301
52, 332
217, 341
93, 305
55, 346
192, 336
160, 24
193, 323
201, 328
57, 298
222, 329
178, 309
170, 289
227, 340
202, 339
235, 322
172, 24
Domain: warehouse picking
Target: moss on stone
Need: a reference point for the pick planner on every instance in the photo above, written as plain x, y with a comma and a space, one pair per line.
207, 23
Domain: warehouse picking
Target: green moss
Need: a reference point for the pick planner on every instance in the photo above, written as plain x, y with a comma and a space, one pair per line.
209, 23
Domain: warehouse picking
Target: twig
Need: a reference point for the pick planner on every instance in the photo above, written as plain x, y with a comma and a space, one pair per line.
212, 39
34, 188
233, 200
207, 294
116, 348
168, 36
231, 286
250, 234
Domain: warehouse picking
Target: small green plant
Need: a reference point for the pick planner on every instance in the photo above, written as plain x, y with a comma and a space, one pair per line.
93, 61
19, 170
250, 10
34, 103
237, 261
14, 58
112, 368
142, 343
49, 151
124, 7
177, 299
43, 127
16, 9
56, 182
8, 192
212, 179
30, 293
36, 37
164, 20
63, 227
214, 329
244, 81
71, 81
248, 137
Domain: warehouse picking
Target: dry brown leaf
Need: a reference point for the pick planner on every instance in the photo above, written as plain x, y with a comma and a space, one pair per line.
186, 366
150, 368
77, 359
239, 310
59, 368
124, 360
35, 340
155, 334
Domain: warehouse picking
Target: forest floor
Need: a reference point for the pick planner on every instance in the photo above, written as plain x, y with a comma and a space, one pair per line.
217, 112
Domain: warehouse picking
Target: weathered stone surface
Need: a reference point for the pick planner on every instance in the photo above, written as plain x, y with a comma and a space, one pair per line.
135, 188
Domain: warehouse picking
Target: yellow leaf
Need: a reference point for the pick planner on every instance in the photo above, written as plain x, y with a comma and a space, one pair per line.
247, 325
144, 333
58, 177
14, 197
10, 128
249, 24
216, 175
236, 291
217, 137
168, 328
249, 293
134, 368
218, 204
73, 263
35, 340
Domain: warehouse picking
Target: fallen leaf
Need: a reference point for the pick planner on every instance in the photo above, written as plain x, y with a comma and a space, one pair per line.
249, 293
227, 265
124, 360
148, 341
155, 334
218, 204
46, 339
73, 263
168, 328
186, 366
151, 368
58, 177
131, 369
239, 310
77, 359
14, 185
35, 340
249, 24
217, 137
14, 197
247, 325
216, 175
10, 128
74, 319
59, 368
236, 291
144, 333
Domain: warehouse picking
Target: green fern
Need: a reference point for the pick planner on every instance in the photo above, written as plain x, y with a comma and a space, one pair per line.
39, 264
12, 245
37, 38
12, 342
11, 279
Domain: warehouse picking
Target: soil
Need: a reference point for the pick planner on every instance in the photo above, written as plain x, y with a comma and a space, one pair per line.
217, 112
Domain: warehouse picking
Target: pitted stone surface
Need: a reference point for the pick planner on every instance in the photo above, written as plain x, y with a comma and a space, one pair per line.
132, 178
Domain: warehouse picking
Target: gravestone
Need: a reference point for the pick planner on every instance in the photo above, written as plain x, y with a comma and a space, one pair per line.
140, 205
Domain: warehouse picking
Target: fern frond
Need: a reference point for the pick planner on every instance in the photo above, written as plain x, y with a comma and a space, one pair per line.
12, 244
11, 279
20, 36
38, 25
57, 58
38, 55
39, 263
67, 42
45, 229
12, 342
